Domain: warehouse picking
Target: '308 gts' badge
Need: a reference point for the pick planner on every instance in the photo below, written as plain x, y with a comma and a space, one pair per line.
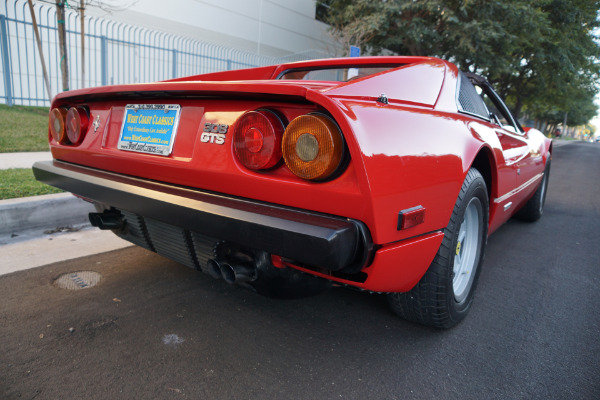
214, 133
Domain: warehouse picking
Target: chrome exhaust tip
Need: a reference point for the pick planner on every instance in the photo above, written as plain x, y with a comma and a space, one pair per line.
107, 220
237, 273
213, 269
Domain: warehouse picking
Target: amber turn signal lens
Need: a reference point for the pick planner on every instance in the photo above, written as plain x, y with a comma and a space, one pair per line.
76, 122
57, 125
257, 139
313, 147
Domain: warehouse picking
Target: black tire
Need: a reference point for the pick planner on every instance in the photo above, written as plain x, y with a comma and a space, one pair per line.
443, 298
534, 208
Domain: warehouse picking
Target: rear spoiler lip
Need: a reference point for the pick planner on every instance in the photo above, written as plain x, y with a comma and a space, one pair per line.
193, 89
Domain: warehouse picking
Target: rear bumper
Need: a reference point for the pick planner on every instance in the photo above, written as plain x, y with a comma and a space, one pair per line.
330, 242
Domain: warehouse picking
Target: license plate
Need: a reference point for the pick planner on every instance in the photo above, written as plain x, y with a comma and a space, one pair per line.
149, 128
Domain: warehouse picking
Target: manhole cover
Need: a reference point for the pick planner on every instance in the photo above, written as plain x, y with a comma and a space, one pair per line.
78, 280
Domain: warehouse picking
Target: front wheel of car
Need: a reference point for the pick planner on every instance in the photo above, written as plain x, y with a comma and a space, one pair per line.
443, 297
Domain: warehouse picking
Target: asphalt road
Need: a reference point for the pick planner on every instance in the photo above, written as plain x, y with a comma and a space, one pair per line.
155, 330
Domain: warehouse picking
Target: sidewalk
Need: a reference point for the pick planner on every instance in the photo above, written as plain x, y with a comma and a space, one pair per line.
23, 160
41, 230
562, 142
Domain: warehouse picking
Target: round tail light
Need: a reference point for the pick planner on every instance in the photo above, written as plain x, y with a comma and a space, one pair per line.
257, 139
57, 125
313, 147
77, 123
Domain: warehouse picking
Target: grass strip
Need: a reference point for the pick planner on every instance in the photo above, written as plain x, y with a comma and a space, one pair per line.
23, 128
20, 182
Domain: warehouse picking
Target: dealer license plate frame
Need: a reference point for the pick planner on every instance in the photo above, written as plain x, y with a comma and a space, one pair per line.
145, 131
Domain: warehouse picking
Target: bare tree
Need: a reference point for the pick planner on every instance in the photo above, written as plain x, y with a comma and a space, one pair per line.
62, 43
39, 46
106, 5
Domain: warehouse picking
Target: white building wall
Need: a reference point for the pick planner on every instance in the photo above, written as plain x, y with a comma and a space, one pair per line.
266, 27
152, 40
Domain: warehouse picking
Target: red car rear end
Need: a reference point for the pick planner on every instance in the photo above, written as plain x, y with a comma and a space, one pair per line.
264, 178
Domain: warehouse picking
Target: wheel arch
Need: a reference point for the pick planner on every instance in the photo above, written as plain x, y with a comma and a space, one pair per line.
484, 162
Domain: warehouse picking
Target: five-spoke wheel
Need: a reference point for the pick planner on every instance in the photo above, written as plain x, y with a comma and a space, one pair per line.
443, 297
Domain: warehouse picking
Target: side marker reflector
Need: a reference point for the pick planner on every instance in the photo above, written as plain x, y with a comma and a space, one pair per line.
411, 217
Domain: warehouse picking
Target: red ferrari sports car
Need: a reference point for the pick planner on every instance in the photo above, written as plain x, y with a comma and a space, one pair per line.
385, 174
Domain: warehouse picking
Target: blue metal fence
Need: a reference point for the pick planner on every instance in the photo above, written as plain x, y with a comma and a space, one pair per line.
115, 53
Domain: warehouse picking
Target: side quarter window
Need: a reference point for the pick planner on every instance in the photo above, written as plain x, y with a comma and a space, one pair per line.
496, 111
469, 100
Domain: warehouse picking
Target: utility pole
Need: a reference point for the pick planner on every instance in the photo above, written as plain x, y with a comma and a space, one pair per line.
82, 16
41, 52
259, 27
62, 43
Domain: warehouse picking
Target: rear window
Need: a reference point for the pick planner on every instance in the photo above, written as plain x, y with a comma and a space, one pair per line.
336, 74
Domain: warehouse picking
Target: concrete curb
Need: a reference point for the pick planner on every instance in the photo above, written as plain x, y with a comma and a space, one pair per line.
34, 215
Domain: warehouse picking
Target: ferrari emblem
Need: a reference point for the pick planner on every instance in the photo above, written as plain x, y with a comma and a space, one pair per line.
96, 123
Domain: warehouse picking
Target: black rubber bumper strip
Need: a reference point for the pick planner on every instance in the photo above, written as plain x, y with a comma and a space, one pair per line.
330, 242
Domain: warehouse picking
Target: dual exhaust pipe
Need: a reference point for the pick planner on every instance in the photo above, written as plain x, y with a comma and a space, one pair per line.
107, 220
231, 272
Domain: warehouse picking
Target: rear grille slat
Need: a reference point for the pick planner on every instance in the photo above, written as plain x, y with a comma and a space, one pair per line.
170, 241
188, 248
204, 247
135, 231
